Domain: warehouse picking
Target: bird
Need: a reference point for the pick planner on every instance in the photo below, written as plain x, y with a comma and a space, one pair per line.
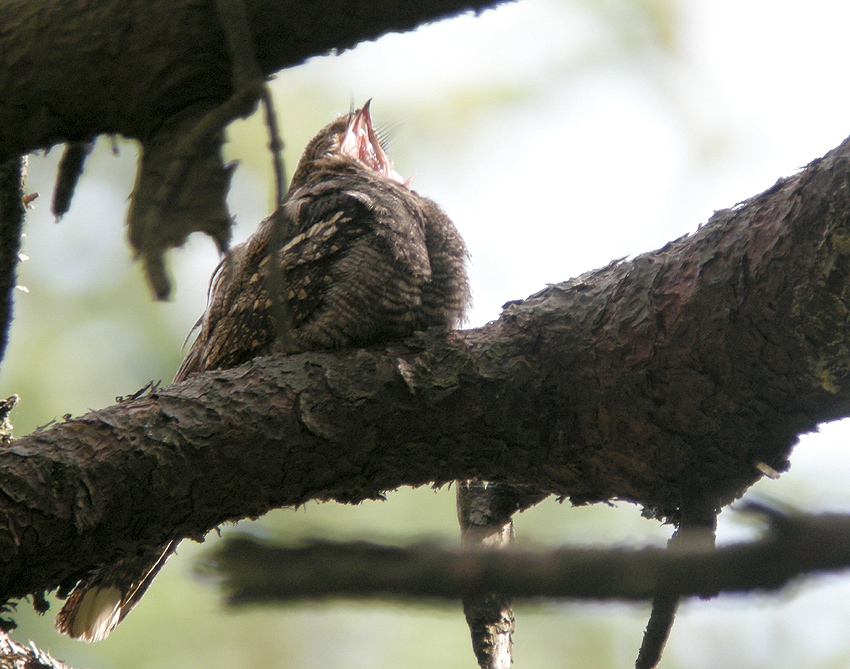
365, 259
353, 257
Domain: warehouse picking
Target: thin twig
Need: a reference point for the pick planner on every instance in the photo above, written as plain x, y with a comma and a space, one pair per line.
12, 210
247, 76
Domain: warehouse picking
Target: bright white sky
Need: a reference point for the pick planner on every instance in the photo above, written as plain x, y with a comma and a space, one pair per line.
554, 154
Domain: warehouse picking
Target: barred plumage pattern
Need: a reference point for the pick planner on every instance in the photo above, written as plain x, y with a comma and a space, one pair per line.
364, 259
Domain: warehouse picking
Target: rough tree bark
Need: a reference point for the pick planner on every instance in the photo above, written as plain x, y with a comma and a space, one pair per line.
681, 375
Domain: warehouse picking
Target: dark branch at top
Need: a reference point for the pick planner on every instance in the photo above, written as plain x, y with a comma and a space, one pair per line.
130, 66
172, 74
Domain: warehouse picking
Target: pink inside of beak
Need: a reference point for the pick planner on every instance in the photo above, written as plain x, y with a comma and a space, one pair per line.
362, 143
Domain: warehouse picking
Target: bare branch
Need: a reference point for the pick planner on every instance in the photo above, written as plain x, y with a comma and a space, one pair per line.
260, 572
485, 514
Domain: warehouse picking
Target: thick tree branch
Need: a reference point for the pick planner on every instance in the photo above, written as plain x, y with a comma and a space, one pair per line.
258, 572
672, 379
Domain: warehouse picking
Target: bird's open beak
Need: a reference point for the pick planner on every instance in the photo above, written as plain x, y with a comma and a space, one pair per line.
362, 143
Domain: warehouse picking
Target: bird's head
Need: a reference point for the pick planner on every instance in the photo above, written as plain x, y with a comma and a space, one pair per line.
351, 137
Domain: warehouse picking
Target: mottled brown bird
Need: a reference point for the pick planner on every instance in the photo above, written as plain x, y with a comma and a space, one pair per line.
362, 259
